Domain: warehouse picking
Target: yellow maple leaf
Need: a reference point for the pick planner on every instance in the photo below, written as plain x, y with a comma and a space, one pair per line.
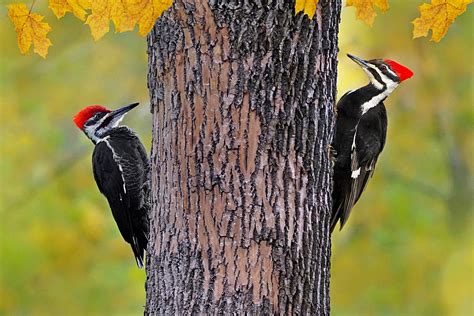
365, 9
105, 10
145, 12
121, 17
29, 29
438, 16
125, 14
77, 7
307, 6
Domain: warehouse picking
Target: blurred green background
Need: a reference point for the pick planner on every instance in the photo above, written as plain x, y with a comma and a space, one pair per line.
406, 250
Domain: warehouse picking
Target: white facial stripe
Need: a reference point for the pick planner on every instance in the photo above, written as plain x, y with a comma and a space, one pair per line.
117, 121
95, 132
388, 82
374, 81
91, 132
390, 71
390, 85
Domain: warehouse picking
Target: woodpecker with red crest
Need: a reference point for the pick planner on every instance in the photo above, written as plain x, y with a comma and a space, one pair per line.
120, 165
361, 129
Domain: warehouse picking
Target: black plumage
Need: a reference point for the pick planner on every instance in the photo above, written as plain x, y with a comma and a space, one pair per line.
361, 130
369, 130
120, 166
121, 171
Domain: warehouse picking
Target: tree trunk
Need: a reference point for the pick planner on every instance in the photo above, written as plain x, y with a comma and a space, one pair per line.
242, 95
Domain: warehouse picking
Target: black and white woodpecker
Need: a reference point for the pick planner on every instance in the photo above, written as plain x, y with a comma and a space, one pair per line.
361, 129
120, 165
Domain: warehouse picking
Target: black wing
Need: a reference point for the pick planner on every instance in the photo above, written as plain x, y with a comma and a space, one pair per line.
119, 174
135, 169
369, 140
363, 160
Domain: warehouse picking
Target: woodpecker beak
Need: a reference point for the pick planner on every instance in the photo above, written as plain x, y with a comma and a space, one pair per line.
122, 111
359, 61
113, 118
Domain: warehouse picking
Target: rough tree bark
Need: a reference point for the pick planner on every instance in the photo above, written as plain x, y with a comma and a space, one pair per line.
242, 95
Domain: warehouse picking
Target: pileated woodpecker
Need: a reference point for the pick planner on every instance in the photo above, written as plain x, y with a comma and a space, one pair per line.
361, 129
120, 166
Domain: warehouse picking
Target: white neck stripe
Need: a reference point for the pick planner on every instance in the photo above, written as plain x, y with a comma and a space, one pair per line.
366, 106
117, 160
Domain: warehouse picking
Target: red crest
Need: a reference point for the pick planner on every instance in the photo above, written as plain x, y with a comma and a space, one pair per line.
402, 71
83, 115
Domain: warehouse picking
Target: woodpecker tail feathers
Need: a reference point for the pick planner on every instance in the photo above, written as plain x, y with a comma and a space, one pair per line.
138, 252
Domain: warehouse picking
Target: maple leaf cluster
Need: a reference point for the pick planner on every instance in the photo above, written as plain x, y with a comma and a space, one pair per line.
365, 9
437, 16
126, 14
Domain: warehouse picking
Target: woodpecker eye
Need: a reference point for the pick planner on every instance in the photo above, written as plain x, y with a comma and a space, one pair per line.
92, 120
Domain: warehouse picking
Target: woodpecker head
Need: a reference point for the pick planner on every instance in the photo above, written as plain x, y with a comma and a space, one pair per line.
95, 120
384, 74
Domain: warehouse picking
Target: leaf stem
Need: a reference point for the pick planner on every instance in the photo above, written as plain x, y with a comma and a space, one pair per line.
32, 5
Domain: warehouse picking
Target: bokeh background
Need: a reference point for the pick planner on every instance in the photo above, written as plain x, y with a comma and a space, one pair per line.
406, 250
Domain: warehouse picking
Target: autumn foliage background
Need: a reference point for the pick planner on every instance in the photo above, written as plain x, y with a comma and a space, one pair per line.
407, 249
